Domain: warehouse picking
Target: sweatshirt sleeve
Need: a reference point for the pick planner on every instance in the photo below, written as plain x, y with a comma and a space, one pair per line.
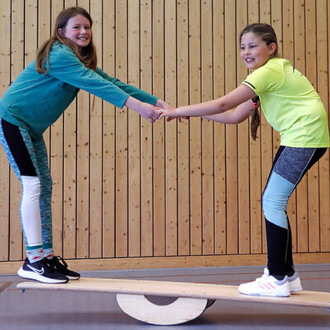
129, 89
66, 67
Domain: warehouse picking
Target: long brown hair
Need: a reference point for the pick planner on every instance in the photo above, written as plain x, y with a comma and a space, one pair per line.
267, 34
87, 55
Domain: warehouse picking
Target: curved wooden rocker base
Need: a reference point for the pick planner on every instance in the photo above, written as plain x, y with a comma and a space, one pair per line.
177, 312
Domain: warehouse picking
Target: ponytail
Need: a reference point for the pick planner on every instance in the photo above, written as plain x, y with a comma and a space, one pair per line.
255, 121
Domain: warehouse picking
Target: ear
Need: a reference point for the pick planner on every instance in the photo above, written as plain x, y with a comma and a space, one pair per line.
272, 48
60, 32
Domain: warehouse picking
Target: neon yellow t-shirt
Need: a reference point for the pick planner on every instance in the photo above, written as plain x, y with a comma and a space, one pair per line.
290, 104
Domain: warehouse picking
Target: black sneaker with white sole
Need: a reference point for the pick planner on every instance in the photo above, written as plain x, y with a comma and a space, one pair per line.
58, 264
41, 271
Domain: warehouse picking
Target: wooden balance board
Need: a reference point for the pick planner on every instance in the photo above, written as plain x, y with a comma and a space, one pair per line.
191, 301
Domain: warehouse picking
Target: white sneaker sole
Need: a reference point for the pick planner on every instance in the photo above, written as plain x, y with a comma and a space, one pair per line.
72, 278
266, 294
33, 276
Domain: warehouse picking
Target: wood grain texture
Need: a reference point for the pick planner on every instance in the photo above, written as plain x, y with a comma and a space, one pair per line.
181, 289
128, 189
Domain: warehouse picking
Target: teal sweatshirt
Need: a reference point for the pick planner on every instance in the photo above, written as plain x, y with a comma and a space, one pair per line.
35, 101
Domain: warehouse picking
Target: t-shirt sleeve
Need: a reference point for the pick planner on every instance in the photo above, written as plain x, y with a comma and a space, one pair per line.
129, 89
266, 79
66, 67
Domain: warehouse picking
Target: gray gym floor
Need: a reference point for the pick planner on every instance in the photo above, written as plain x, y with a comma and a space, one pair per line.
67, 310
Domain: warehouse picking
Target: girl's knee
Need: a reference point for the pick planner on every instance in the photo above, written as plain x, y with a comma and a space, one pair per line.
274, 208
31, 184
31, 189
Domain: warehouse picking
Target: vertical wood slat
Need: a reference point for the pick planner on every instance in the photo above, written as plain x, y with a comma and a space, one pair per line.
170, 130
299, 63
276, 20
134, 151
266, 131
219, 130
159, 129
276, 13
69, 175
288, 53
96, 119
323, 79
125, 187
312, 176
56, 162
17, 64
195, 129
121, 134
183, 130
146, 132
207, 131
82, 170
43, 34
322, 208
109, 135
243, 148
256, 218
231, 131
5, 22
30, 36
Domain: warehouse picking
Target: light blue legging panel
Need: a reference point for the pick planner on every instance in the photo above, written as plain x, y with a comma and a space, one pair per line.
275, 200
286, 174
38, 153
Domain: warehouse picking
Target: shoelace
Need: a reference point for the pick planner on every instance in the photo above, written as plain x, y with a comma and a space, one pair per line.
47, 263
58, 259
262, 278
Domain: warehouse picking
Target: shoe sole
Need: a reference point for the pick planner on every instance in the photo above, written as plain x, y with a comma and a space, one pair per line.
72, 278
33, 276
280, 292
266, 295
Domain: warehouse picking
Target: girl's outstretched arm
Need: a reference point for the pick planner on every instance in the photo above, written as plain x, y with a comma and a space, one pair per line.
236, 97
146, 110
233, 116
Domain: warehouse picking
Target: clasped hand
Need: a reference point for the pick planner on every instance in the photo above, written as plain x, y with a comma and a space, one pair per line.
159, 110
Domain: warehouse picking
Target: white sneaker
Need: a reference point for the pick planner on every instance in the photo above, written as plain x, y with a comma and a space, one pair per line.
266, 285
294, 283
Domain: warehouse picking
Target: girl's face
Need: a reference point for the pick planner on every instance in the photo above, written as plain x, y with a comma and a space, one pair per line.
254, 51
78, 30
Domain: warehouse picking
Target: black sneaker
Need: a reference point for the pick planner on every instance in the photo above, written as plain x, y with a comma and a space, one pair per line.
41, 271
63, 268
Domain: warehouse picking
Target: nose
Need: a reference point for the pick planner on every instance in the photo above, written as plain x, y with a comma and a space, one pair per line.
244, 52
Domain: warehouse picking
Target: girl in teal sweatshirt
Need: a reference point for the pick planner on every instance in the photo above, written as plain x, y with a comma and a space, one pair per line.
37, 98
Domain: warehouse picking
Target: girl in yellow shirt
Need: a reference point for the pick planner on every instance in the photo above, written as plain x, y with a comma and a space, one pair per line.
292, 106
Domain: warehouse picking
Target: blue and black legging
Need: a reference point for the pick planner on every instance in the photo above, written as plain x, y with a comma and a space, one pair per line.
29, 160
289, 167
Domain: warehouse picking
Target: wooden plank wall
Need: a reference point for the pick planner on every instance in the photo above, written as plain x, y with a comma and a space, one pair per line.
128, 193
